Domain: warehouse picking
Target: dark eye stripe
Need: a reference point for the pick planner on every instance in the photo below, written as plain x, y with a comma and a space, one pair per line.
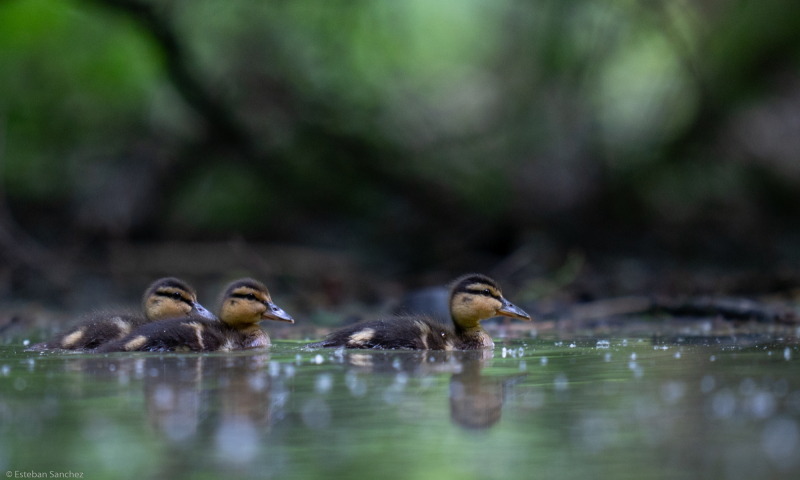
482, 292
244, 295
170, 295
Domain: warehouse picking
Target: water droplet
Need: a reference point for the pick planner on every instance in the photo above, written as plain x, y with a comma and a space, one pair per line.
505, 352
633, 356
274, 369
6, 370
707, 384
787, 353
763, 405
607, 357
713, 358
677, 355
571, 345
323, 383
522, 366
318, 359
602, 344
779, 441
543, 360
723, 404
625, 342
289, 370
560, 382
298, 359
26, 342
112, 367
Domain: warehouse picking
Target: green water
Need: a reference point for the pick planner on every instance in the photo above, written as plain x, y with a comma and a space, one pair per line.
539, 408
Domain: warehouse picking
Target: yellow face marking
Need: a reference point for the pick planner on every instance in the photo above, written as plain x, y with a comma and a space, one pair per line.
198, 331
469, 308
72, 338
124, 327
136, 343
362, 337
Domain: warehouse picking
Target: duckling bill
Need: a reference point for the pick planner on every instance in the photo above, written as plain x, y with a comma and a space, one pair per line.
244, 303
473, 298
166, 298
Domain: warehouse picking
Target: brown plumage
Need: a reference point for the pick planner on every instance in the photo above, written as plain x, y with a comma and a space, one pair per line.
165, 299
244, 303
473, 298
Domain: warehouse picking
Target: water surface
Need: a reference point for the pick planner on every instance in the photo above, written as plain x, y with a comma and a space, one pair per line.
600, 407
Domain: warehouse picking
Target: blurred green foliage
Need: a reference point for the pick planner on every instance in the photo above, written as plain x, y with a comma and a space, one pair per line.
466, 122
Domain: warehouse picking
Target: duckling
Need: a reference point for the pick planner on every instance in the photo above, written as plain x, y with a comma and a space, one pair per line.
166, 298
473, 298
244, 303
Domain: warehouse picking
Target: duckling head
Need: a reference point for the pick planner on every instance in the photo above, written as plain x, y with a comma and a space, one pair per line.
172, 298
247, 301
476, 297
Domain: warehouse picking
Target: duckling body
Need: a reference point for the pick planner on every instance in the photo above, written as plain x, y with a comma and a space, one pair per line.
164, 299
244, 303
473, 298
408, 333
188, 335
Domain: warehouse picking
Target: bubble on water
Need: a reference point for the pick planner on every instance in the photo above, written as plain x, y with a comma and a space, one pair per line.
707, 384
543, 360
323, 383
112, 367
625, 342
633, 356
257, 382
671, 392
505, 352
289, 370
560, 382
31, 364
602, 344
779, 441
571, 345
357, 386
520, 351
787, 353
677, 355
522, 366
427, 382
274, 369
163, 397
318, 359
396, 364
20, 383
763, 405
298, 359
723, 404
747, 387
237, 441
664, 347
607, 357
316, 414
558, 344
713, 358
339, 352
6, 370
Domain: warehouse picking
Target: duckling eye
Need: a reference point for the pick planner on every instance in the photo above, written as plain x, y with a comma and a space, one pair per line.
176, 296
487, 292
250, 296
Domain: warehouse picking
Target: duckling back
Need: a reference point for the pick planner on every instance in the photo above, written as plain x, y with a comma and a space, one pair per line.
414, 333
93, 332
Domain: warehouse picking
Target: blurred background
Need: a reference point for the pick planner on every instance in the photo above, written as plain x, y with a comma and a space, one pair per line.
349, 152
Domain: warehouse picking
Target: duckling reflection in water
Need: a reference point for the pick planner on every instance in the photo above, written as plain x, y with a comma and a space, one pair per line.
244, 303
176, 402
166, 298
476, 402
473, 298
